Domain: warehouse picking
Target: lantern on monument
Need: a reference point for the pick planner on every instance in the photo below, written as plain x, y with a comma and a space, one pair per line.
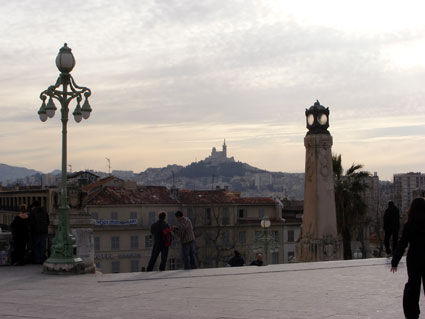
317, 117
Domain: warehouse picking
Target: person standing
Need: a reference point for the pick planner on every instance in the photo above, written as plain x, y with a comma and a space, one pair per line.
414, 236
184, 231
161, 241
39, 222
20, 228
391, 227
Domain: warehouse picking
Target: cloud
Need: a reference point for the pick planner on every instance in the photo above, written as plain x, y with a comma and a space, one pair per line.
172, 79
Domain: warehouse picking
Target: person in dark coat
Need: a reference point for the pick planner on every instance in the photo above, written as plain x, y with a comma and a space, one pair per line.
236, 260
414, 236
20, 228
258, 261
391, 227
39, 222
159, 242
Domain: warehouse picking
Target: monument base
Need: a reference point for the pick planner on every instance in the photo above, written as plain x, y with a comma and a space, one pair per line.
325, 249
76, 268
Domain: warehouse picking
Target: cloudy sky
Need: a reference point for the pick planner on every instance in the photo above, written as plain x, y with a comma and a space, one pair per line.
172, 79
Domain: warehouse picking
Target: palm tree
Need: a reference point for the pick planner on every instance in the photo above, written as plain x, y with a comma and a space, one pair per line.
349, 203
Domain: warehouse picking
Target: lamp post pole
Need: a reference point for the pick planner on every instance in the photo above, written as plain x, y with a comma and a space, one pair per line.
265, 240
265, 224
63, 246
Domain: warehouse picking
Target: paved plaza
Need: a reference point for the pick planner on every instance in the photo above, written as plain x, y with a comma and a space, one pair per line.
354, 289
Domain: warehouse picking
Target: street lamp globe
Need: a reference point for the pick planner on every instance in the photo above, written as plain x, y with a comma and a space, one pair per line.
265, 222
65, 60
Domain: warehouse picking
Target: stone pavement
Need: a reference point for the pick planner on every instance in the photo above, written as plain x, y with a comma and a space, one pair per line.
332, 290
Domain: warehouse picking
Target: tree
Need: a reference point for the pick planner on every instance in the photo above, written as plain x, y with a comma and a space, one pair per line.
349, 203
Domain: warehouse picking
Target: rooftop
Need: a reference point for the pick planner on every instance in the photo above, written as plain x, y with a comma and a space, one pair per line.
338, 290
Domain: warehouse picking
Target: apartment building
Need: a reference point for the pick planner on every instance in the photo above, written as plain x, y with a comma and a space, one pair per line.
404, 185
223, 221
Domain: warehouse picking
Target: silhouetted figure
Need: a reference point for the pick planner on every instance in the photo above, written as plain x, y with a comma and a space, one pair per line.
236, 260
391, 227
258, 261
20, 228
414, 236
184, 231
39, 222
161, 241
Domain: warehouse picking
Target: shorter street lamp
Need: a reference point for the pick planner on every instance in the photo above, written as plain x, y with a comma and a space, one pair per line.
265, 241
64, 91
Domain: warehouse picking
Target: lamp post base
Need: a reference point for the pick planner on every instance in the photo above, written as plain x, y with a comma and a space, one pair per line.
75, 267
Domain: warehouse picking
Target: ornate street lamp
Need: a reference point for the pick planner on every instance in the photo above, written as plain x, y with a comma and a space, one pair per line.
63, 256
265, 241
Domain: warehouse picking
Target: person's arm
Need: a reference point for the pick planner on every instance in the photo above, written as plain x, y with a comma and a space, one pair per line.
401, 247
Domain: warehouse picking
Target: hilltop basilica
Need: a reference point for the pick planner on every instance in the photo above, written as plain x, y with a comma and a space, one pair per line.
218, 157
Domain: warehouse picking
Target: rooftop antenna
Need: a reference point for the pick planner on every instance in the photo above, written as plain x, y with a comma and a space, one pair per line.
70, 168
109, 165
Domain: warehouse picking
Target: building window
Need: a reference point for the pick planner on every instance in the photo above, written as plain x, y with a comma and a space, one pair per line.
134, 266
291, 255
208, 239
151, 218
134, 242
275, 258
171, 218
261, 213
96, 243
191, 215
115, 266
133, 215
291, 236
243, 213
225, 217
115, 242
257, 235
97, 265
207, 216
148, 241
225, 238
275, 234
95, 215
114, 215
242, 237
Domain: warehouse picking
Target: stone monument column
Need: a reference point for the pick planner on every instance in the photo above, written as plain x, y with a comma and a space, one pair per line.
319, 236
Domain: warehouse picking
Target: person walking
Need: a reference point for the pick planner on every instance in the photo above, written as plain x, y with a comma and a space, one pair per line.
184, 231
391, 227
20, 228
161, 241
414, 236
39, 222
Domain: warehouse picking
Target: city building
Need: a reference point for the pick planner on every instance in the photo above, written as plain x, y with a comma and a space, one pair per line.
292, 213
223, 221
404, 185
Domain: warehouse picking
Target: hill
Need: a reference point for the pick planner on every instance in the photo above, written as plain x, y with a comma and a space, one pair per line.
236, 176
8, 172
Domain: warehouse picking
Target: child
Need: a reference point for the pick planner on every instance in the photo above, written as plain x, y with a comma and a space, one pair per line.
414, 236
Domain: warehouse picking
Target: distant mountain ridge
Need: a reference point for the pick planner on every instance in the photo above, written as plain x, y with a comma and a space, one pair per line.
8, 172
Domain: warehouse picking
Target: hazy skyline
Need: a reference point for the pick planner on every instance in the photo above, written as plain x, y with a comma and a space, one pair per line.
172, 79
